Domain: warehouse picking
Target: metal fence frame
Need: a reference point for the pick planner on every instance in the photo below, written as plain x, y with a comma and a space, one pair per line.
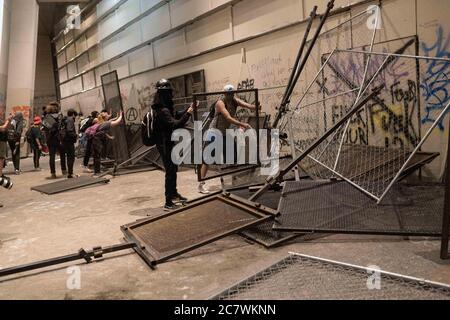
207, 121
152, 256
321, 229
121, 130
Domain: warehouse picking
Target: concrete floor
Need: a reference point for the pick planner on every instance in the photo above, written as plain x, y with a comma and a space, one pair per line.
35, 226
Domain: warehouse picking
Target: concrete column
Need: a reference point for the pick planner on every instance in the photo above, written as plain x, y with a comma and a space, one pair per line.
22, 56
5, 17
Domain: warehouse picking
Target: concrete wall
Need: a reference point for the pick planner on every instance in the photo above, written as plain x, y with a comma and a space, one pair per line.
22, 61
22, 56
44, 89
154, 40
5, 16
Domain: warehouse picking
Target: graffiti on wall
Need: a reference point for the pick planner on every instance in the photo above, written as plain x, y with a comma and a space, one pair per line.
396, 118
136, 100
392, 119
26, 111
435, 84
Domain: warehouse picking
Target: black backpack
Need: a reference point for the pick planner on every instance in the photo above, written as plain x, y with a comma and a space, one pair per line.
51, 124
85, 124
147, 129
12, 133
29, 135
63, 134
62, 129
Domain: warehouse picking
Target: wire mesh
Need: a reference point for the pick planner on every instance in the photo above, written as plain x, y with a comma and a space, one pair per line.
263, 233
340, 32
337, 207
253, 176
300, 277
371, 150
241, 158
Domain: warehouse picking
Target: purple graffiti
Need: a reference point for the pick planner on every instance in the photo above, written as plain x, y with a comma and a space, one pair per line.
435, 85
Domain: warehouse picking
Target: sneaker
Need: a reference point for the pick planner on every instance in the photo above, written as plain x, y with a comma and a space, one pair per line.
169, 206
17, 172
202, 188
87, 170
70, 176
37, 169
53, 176
179, 198
64, 172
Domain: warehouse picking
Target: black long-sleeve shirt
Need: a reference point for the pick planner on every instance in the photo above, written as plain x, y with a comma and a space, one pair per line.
165, 123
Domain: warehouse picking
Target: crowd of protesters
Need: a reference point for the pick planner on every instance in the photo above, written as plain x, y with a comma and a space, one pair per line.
54, 133
57, 133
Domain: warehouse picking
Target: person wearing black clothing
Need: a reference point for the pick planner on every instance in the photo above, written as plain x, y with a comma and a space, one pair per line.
68, 137
88, 150
36, 141
4, 181
51, 125
14, 135
164, 125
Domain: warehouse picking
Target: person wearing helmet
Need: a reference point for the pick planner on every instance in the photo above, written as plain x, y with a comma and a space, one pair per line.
164, 125
224, 118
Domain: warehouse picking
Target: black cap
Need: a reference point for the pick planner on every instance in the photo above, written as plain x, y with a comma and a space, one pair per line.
163, 84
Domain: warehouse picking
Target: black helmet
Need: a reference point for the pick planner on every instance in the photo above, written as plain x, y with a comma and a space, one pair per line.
163, 84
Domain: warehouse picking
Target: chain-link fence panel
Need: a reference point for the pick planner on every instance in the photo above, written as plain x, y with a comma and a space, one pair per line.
376, 145
300, 277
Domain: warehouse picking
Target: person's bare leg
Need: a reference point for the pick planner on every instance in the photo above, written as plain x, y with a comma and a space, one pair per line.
203, 170
201, 187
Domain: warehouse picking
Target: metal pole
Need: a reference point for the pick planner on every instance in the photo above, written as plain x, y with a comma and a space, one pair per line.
306, 56
290, 86
398, 55
314, 145
441, 116
82, 254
